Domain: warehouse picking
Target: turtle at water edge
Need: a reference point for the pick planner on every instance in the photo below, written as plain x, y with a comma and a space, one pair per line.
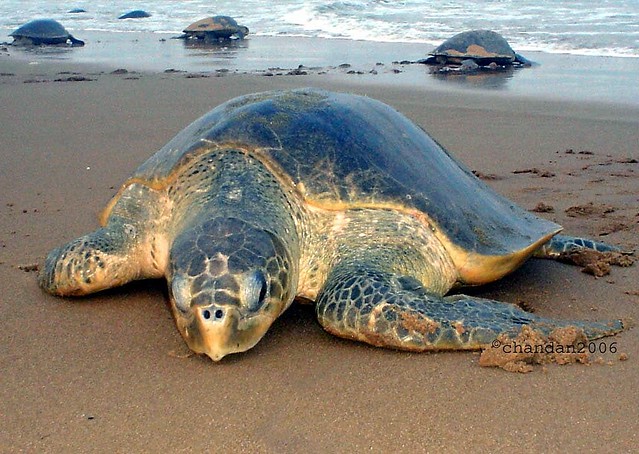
475, 50
44, 32
214, 29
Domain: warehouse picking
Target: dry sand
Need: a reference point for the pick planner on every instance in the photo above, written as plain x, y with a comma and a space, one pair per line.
106, 373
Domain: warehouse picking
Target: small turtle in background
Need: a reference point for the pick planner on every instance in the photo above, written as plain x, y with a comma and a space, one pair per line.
136, 14
44, 32
216, 28
77, 11
475, 50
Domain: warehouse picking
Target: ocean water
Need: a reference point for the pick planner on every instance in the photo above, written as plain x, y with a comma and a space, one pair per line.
582, 27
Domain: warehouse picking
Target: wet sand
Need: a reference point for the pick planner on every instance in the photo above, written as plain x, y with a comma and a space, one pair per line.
107, 372
557, 76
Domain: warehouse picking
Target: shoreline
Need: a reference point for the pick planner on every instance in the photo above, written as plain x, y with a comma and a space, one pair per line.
110, 372
564, 77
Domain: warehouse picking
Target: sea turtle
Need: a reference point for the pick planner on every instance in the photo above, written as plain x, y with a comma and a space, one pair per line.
43, 32
214, 29
329, 197
135, 14
476, 47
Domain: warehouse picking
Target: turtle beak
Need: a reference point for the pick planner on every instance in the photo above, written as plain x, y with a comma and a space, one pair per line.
217, 331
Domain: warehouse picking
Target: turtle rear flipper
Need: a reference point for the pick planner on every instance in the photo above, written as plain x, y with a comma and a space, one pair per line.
560, 244
390, 310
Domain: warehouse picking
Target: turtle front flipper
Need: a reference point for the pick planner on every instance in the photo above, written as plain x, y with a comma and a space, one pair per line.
389, 310
131, 245
108, 257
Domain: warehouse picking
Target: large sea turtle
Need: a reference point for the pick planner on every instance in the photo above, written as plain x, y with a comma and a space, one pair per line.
43, 32
215, 28
474, 49
330, 197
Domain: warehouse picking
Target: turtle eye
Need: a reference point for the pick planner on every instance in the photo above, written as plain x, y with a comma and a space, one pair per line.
256, 290
262, 291
181, 296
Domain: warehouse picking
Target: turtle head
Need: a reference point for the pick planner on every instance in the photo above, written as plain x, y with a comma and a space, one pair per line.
228, 282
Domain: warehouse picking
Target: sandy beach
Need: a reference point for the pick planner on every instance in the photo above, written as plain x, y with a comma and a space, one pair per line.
109, 373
